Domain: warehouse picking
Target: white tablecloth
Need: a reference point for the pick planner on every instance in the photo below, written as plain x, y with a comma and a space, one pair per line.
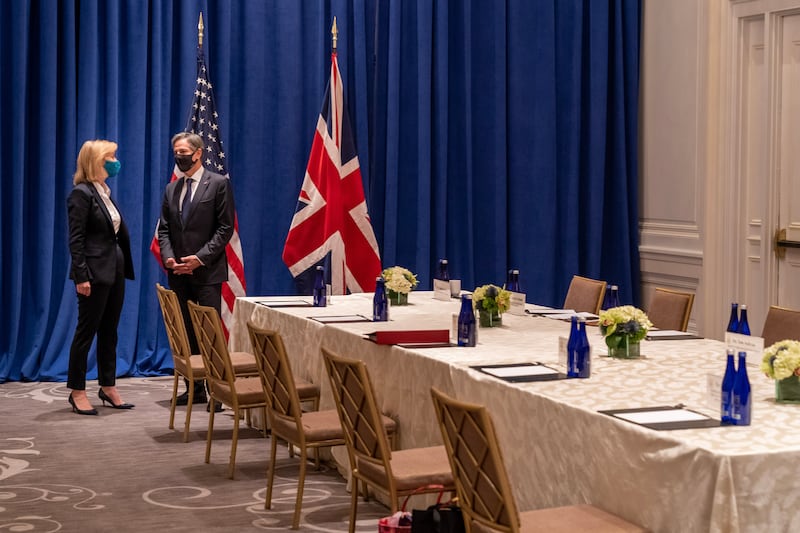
558, 449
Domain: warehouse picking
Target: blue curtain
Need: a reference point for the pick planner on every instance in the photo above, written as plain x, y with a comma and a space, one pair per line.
499, 135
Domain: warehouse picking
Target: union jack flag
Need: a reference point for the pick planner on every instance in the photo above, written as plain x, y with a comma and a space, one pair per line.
203, 120
331, 215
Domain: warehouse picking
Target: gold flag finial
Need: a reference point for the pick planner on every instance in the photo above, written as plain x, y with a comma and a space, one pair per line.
334, 34
200, 28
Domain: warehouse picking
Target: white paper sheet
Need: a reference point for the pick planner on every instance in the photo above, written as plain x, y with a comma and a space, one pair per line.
517, 371
340, 318
661, 416
565, 316
668, 333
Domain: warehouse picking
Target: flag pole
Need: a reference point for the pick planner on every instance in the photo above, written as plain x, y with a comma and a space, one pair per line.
200, 28
334, 35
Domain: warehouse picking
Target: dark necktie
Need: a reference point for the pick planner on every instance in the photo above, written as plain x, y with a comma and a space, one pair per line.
187, 199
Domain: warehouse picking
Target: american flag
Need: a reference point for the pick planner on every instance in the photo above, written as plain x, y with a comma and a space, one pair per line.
331, 215
203, 120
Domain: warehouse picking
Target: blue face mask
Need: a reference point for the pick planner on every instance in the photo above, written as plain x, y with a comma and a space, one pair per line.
112, 167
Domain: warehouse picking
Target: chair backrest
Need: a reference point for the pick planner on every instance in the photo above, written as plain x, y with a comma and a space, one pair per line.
276, 374
213, 346
364, 432
173, 322
484, 491
585, 295
781, 324
670, 309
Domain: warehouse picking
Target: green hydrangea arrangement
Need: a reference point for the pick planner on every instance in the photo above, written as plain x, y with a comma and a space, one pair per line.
782, 360
399, 279
624, 321
492, 299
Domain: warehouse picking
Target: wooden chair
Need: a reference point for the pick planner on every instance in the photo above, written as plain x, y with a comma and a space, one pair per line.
670, 309
585, 295
311, 430
186, 364
396, 474
224, 386
481, 479
781, 324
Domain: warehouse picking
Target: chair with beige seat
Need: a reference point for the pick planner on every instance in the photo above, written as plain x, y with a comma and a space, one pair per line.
482, 484
187, 365
310, 430
224, 386
670, 309
393, 473
781, 324
585, 295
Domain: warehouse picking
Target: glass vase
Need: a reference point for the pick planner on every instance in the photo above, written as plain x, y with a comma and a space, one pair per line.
625, 349
787, 390
398, 298
490, 320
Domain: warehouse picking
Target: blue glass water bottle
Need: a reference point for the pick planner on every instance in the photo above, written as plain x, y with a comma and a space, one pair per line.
727, 390
733, 321
380, 303
467, 330
443, 270
572, 342
583, 358
614, 299
742, 401
607, 298
320, 292
744, 326
512, 281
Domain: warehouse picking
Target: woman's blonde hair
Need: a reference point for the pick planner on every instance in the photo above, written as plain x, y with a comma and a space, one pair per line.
91, 159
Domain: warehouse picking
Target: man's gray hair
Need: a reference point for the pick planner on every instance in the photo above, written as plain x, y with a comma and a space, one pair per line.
194, 140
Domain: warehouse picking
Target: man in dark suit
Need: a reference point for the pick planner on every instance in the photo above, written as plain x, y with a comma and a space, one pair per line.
197, 219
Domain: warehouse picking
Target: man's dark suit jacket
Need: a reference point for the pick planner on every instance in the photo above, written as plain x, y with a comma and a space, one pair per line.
207, 231
92, 241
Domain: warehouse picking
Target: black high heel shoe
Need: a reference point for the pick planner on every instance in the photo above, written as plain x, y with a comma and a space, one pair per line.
103, 396
91, 411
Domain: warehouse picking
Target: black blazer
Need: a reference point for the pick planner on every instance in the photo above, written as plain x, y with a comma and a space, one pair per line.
92, 241
208, 228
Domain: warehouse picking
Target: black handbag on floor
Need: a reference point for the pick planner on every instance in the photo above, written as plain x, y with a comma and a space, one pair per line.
438, 518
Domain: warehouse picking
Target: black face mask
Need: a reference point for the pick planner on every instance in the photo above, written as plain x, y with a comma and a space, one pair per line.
184, 162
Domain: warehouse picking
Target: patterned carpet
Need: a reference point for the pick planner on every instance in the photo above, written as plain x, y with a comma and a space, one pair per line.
126, 471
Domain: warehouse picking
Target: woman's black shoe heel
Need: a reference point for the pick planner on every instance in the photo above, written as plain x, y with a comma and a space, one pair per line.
91, 411
104, 397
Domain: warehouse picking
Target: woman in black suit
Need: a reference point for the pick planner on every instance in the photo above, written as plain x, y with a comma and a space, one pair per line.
101, 260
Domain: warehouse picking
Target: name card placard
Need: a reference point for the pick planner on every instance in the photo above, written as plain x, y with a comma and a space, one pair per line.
744, 343
562, 351
455, 288
517, 304
441, 290
714, 390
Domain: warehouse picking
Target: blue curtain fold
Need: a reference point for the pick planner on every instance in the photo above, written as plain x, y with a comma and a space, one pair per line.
499, 135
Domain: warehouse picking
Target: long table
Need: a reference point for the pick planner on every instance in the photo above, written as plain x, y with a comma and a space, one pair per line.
558, 448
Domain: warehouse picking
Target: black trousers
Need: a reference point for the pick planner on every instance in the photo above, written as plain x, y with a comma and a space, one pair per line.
186, 290
98, 314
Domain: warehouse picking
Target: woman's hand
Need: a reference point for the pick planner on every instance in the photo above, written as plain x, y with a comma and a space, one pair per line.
84, 288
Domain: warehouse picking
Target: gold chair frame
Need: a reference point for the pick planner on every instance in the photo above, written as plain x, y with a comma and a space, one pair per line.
187, 365
670, 309
306, 431
781, 323
585, 295
373, 464
482, 484
240, 393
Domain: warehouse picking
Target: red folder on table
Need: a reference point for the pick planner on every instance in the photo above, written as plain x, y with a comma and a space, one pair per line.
411, 336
